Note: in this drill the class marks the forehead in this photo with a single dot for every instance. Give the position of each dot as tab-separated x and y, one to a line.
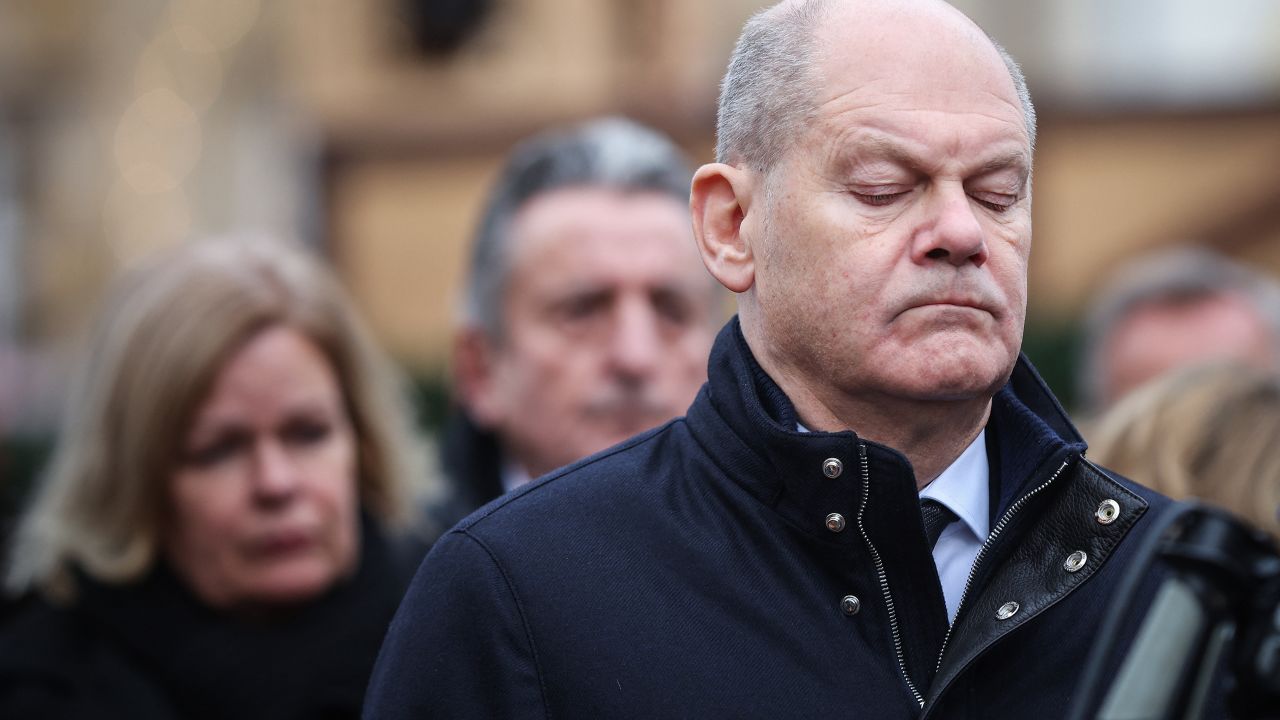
1225	316
1162	334
276	363
601	233
914	72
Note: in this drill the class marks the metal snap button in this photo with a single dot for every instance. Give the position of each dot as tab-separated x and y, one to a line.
835	522
1075	561
832	467
1107	512
850	605
1007	610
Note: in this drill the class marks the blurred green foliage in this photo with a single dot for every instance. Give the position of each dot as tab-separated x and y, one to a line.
22	457
1054	349
430	400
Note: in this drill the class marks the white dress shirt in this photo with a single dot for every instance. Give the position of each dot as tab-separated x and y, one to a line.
963	488
513	476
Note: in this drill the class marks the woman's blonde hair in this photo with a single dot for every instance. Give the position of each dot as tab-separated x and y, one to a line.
1210	432
165	331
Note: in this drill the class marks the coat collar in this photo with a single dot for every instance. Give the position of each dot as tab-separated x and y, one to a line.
748	425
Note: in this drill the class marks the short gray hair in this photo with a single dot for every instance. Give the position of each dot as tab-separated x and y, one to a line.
769	90
612	152
1172	276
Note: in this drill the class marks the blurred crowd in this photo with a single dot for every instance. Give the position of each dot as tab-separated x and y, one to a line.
238	466
239	492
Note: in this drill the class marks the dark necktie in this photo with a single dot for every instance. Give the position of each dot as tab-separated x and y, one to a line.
936	517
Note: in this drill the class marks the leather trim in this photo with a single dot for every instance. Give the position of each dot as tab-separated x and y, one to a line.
1032	572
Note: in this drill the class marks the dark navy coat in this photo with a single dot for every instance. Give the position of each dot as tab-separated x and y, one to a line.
690	573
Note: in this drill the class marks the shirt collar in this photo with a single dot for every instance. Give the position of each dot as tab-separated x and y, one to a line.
964	487
514	475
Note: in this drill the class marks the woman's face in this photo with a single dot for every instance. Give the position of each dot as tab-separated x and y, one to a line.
263	501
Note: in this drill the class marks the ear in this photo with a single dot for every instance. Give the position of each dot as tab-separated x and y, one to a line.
719	200
475	377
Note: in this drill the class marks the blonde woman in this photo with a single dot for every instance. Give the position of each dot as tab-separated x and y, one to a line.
223	528
1210	432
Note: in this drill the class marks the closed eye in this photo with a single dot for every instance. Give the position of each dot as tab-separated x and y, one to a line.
879	199
995	202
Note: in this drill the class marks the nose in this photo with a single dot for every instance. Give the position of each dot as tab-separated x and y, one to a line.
635	344
275	473
952	232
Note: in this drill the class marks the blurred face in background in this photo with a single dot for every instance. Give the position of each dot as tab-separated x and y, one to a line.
607	323
1157	337
263	503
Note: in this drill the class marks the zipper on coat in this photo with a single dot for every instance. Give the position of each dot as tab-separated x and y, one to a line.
884	579
982	552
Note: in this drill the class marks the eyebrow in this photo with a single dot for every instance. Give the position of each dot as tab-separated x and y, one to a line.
882	147
1015	159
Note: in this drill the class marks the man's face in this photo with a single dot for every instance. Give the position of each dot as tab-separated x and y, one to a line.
608	323
1157	337
896	229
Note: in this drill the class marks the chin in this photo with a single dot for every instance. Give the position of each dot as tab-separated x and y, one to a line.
294	586
616	430
957	377
957	390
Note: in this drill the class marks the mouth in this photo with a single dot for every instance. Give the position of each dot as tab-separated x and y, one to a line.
280	543
948	310
949	306
974	303
628	418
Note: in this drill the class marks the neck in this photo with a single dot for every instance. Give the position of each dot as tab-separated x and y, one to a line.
930	433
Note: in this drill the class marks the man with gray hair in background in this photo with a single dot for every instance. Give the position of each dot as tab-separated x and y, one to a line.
1171	309
874	508
587	316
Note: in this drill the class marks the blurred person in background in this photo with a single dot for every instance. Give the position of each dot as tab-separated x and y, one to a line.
588	316
1174	309
222	532
1209	431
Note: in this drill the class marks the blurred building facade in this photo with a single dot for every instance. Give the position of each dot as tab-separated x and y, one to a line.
373	129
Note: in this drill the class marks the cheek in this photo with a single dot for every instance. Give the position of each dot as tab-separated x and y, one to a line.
204	522
1013	282
332	477
695	349
684	362
207	503
543	372
345	481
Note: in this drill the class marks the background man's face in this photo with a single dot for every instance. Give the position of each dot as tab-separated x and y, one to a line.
608	318
897	227
1158	337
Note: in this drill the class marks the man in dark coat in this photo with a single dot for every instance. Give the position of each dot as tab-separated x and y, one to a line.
588	317
874	508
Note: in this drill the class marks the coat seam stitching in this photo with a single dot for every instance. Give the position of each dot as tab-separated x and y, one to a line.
524	620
